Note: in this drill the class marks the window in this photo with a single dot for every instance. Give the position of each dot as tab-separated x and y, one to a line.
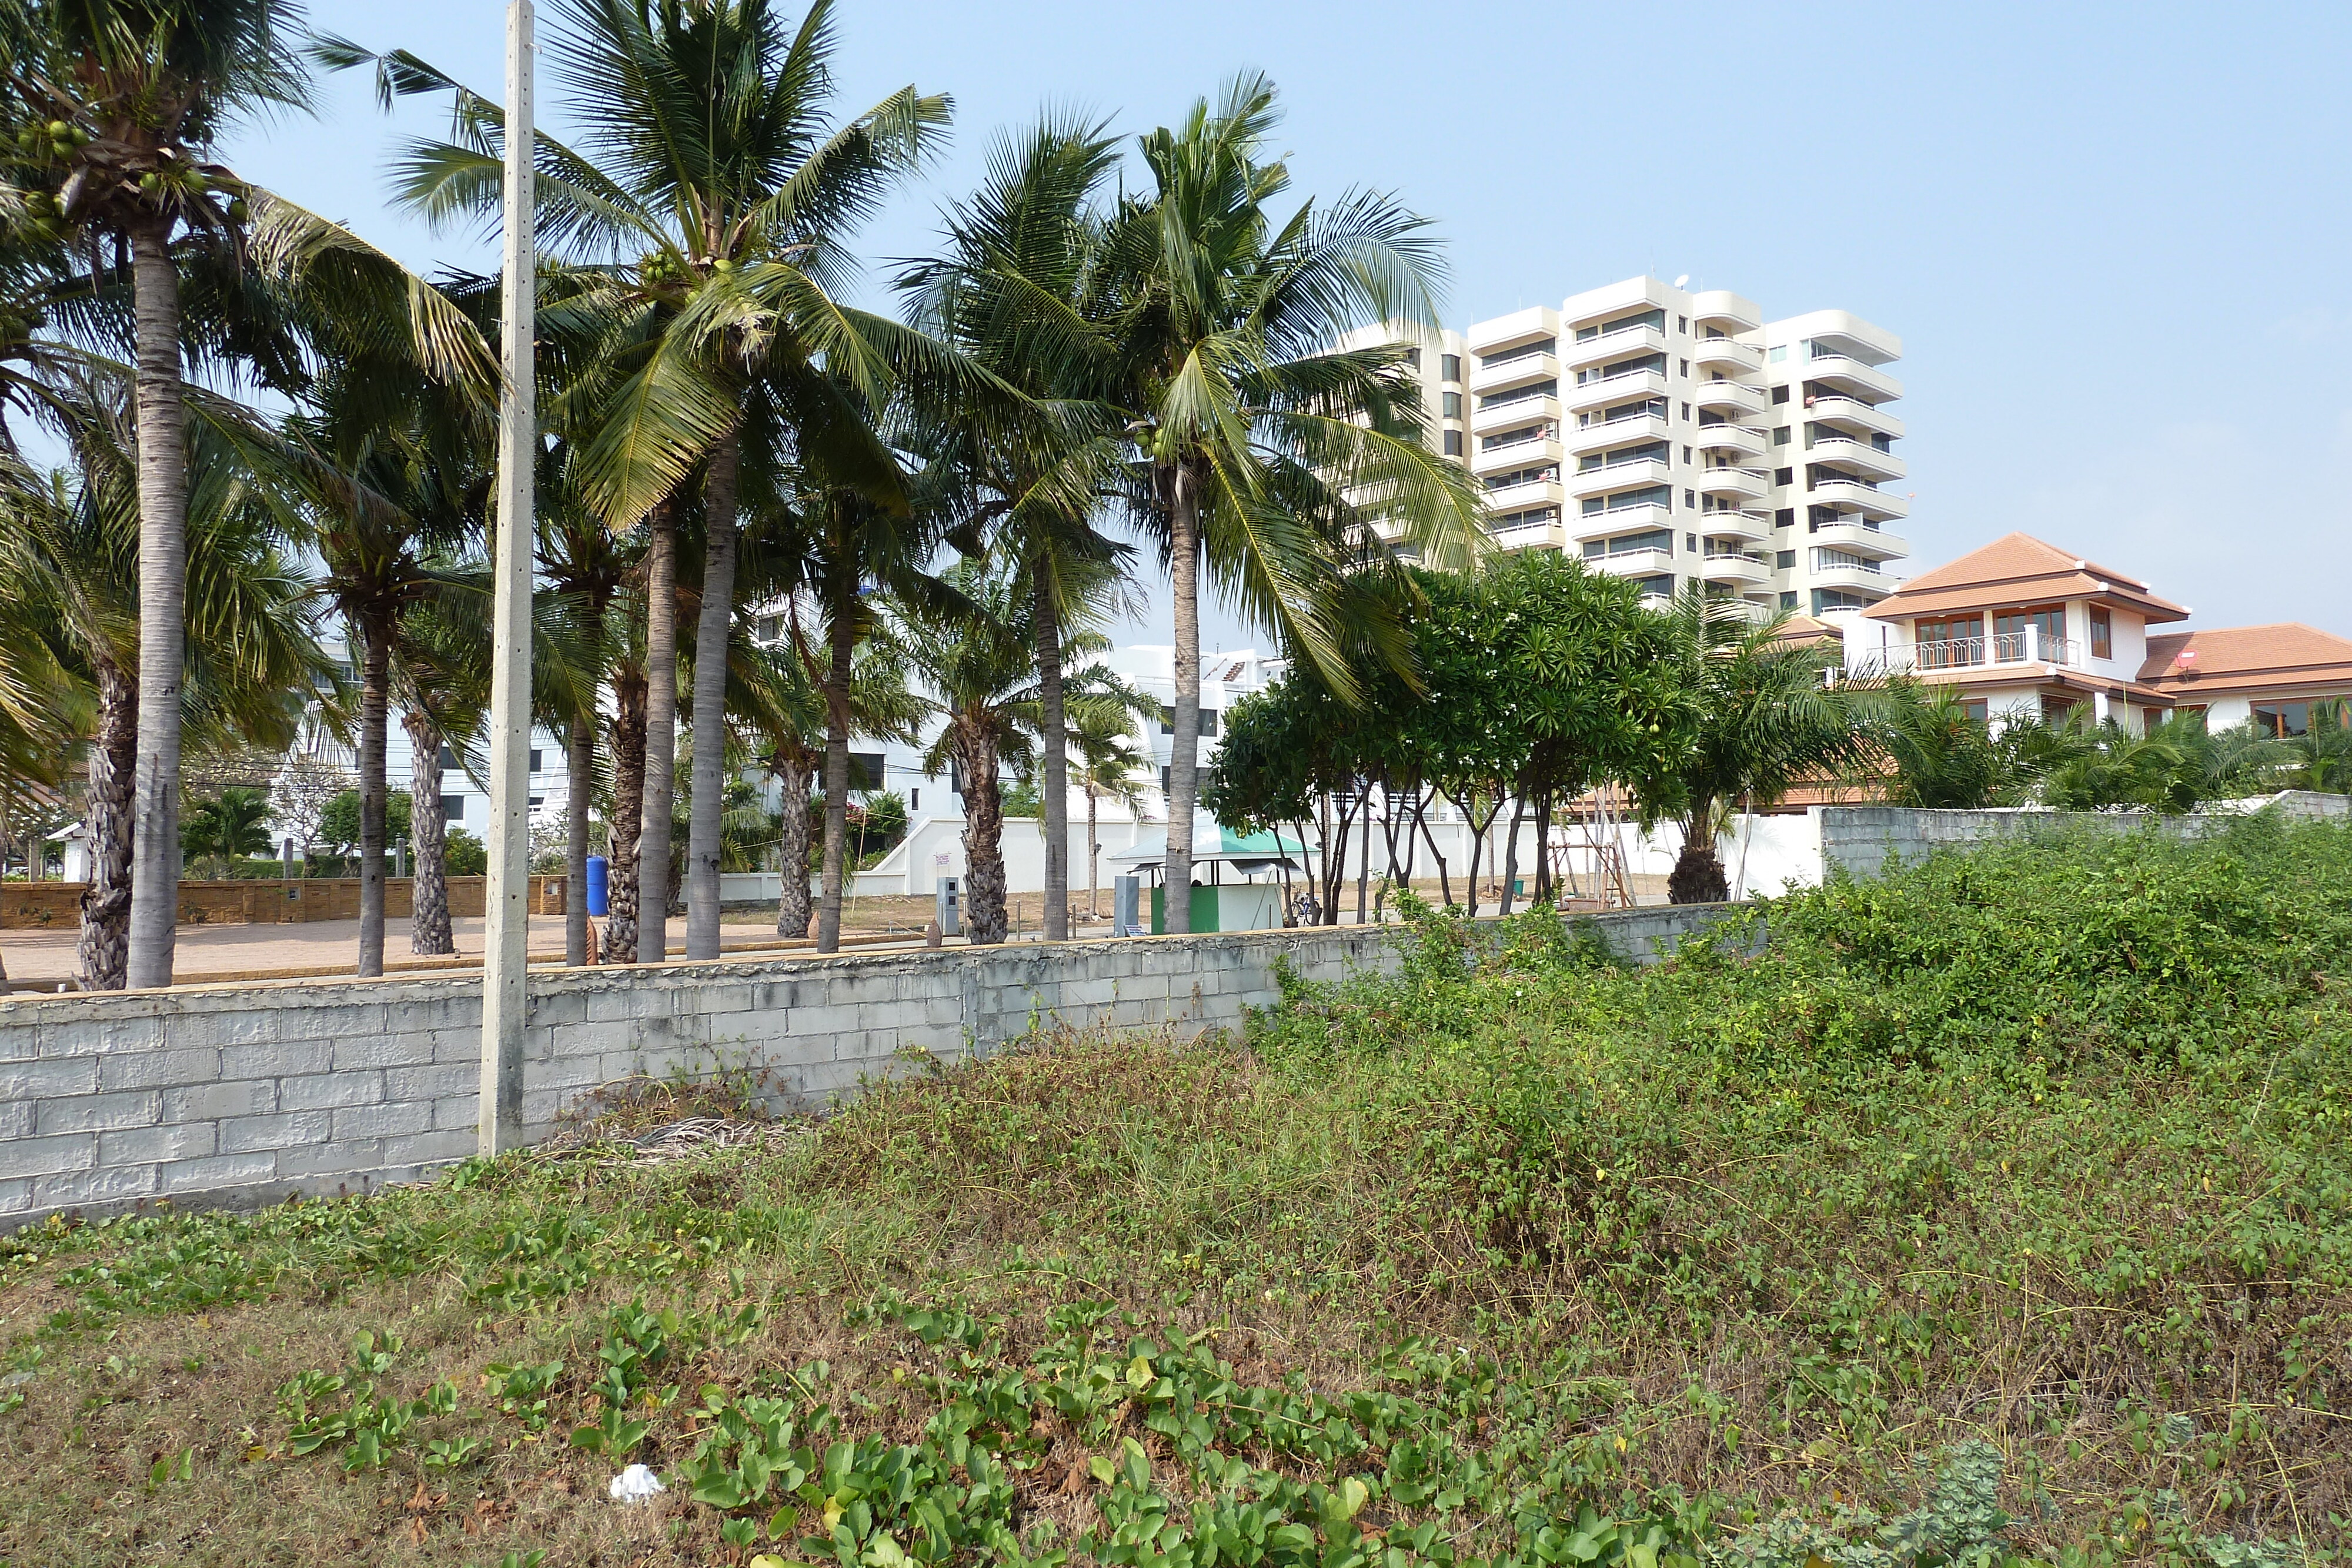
1208	721
1780	435
1523	351
448	760
915	799
1788	598
1690	499
1977	709
1412	358
1454	444
1167	719
1785	517
1452	366
1947	629
2282	721
1780	394
1778	355
1784	475
1662	586
1687	454
2102	633
1686	413
537	802
535	755
1661	539
1784	560
866	770
1523	394
453	808
1681	323
1651	318
1828	598
1450	404
2057	710
2010	626
1685	364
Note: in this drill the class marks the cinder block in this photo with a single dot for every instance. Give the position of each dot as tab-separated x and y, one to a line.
212	1102
218	1173
17	1118
164	1069
458	1113
45	1156
49	1079
594	1039
93	1113
428	1148
105	1185
391	1120
273	1058
157	1145
453	1045
17	1196
252	1025
119	1033
359	1156
383	1051
325	1091
285	1129
406	1083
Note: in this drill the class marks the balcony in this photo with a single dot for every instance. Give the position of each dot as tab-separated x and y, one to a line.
1744	569
1524	452
1728	354
1633	476
1621	344
1602	436
1749	528
1721	308
1516	409
1843	372
1859	537
1743	483
1868	579
1736	397
1632	563
1744	439
1609	390
1540	535
1623	521
1876	504
2031	646
1857	454
1520	497
1505	371
1828	408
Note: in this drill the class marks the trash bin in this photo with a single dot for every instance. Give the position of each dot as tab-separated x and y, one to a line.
600	886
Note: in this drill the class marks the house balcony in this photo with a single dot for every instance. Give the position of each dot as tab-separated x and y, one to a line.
1520	497
1517	408
1605	436
2022	649
1629	386
1853	493
1745	439
1863	576
1623	344
1843	372
1527	452
1514	370
1741	484
1541	534
1860	455
1649	514
1740	568
1746	527
1646	562
1722	308
1633	476
1728	354
1853	413
1728	397
1859	537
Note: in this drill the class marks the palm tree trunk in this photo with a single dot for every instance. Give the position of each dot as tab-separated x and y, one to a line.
105	947
376	664
1184	751
580	777
628	822
162	586
1054	740
983	839
842	635
1697	876
708	790
661	735
428	841
793	910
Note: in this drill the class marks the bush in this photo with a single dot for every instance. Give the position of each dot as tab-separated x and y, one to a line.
465	855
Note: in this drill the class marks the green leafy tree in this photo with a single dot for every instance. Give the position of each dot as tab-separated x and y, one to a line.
232	825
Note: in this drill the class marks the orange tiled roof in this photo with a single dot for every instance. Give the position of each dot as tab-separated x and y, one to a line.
2016	568
2286	656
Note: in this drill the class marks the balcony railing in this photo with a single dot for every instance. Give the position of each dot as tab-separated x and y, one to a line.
2030	646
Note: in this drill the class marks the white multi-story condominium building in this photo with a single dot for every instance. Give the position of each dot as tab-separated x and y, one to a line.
1674	436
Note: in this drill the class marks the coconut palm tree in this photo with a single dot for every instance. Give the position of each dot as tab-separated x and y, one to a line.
233	825
705	211
1109	760
1266	451
1016	270
1755	718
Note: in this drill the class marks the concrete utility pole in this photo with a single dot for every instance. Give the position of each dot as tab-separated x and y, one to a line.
505	1005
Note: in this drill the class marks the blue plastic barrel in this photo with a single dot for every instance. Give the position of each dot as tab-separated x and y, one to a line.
600	890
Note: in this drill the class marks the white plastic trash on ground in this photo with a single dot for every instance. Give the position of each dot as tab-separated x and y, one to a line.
636	1484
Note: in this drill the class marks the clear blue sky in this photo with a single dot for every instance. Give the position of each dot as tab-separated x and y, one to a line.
2115	239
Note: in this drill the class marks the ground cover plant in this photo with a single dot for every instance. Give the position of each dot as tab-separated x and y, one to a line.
1997	1210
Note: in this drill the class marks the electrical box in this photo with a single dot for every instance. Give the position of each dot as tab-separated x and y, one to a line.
950	911
1126	906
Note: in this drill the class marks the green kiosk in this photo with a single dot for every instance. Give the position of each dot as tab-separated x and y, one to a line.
1237	877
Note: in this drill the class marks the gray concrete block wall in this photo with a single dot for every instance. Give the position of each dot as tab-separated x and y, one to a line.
248	1094
1856	839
